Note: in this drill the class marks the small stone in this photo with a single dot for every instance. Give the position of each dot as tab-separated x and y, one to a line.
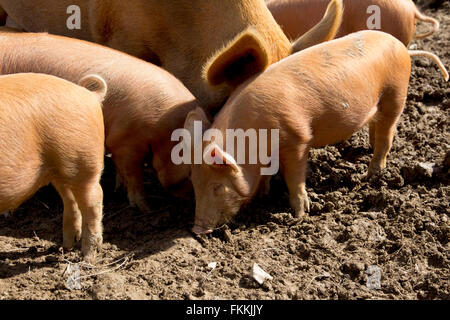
212	265
259	274
425	169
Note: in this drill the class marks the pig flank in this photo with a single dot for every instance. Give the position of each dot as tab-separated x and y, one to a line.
398	17
328	92
51	131
179	35
144	103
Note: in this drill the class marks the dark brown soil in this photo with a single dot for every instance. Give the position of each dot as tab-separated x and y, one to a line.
398	223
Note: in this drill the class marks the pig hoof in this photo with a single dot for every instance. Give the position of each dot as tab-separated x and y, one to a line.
300	214
139	202
371	173
375	168
69	242
91	246
301	206
90	258
70	238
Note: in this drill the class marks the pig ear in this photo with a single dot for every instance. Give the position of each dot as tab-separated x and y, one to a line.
325	30
214	155
197	114
242	58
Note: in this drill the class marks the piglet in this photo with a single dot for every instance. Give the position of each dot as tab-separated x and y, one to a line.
397	17
316	97
51	131
142	108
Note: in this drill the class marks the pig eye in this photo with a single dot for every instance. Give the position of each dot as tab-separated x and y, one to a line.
219	189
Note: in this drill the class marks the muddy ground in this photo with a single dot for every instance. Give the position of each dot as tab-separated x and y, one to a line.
396	226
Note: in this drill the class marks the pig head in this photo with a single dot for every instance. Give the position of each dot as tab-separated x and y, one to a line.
225	41
221	186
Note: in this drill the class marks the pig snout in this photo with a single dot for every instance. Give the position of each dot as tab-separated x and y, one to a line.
198	229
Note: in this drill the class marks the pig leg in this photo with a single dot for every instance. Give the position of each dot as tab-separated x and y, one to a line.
385	128
384	137
71	216
265	187
89	197
295	176
129	163
372	125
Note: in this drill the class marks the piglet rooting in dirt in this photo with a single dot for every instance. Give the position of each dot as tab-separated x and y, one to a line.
327	93
51	131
